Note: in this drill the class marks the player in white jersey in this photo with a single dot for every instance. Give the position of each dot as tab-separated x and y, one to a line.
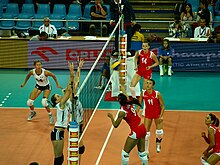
42	84
74	103
57	134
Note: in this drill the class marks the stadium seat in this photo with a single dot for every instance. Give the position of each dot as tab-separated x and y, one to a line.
136	45
59	9
108	17
195	5
4	3
28	2
1	10
37	24
57	24
86	15
43	10
28	9
23	25
216	21
74	13
12	9
7	24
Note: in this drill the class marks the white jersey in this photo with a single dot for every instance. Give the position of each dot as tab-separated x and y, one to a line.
50	30
62	116
78	110
41	79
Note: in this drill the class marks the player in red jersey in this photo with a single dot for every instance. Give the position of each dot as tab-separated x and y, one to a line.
211	155
147	60
138	130
153	110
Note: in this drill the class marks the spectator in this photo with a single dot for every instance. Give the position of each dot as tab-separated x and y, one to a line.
215	36
48	28
41	37
165	53
98	12
117	8
154	38
203	12
187	15
177	28
136	35
217	8
202	31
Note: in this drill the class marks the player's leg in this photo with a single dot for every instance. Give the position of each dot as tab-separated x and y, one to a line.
161	65
147	123
213	159
159	133
45	104
169	66
57	138
129	145
30	102
134	82
141	151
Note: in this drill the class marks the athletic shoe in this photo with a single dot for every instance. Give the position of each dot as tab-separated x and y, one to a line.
158	147
169	72
51	119
161	73
32	114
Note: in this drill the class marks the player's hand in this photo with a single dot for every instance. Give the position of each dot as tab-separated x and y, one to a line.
81	62
148	67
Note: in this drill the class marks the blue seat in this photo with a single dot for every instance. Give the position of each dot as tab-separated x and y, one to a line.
43	10
1	10
86	15
57	24
37	24
74	13
216	21
28	9
75	10
23	25
7	24
4	3
108	17
12	9
28	1
195	5
59	9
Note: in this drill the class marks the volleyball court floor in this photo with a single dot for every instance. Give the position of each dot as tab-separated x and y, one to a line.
188	96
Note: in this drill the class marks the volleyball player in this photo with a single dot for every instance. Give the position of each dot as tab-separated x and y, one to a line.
138	130
147	60
153	110
42	85
74	103
57	134
211	155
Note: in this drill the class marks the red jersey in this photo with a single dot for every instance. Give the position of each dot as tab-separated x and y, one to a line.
152	107
145	60
216	148
138	129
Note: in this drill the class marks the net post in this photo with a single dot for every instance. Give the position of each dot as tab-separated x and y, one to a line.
73	145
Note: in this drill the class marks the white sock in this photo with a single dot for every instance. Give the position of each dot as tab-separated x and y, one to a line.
147	142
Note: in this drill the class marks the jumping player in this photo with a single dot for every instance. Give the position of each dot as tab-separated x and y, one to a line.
138	130
153	110
42	84
147	60
211	155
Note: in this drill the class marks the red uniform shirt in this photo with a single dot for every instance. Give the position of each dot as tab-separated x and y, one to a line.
216	148
138	129
152	105
145	60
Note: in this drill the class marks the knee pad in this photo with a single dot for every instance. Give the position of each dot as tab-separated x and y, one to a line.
159	133
125	157
143	156
44	102
30	102
81	149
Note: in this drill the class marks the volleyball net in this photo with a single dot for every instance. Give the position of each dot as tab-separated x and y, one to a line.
89	96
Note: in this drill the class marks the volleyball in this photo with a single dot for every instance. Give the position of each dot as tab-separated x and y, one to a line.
115	65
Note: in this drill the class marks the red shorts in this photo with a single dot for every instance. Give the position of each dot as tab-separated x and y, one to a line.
146	75
152	114
138	132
